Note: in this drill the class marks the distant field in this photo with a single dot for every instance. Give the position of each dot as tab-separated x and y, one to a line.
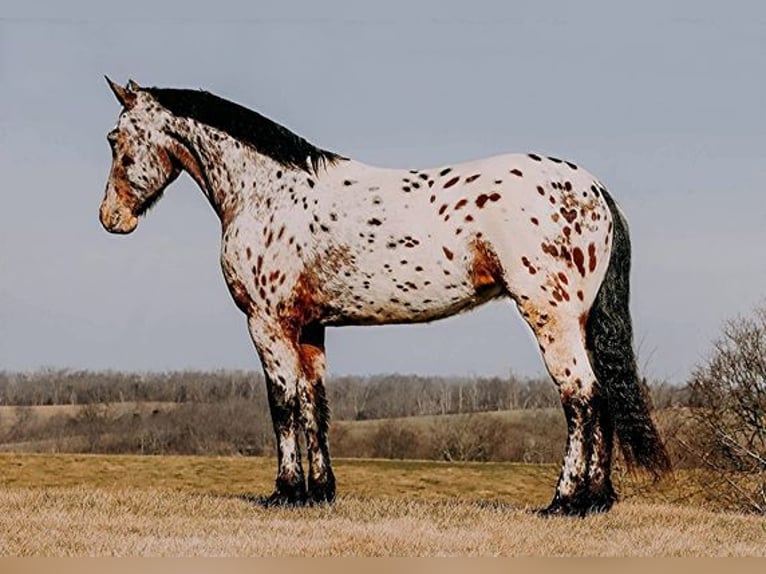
10	414
85	505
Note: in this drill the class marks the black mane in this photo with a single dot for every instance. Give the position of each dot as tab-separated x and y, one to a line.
247	126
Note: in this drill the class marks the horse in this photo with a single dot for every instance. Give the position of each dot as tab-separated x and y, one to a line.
313	239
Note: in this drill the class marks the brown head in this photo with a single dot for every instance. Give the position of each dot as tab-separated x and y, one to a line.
142	165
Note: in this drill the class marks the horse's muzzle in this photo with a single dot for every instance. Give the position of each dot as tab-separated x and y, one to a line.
117	220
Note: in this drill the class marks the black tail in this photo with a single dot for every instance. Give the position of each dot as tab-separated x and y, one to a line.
609	339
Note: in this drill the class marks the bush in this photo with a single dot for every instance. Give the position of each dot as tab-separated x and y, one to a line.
729	396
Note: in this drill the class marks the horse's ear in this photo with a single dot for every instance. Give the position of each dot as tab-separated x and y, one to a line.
133	86
125	96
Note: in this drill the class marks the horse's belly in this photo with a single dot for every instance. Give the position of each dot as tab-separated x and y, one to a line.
408	307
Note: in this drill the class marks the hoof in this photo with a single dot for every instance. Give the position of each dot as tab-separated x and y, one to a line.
320	493
287	494
276	499
581	506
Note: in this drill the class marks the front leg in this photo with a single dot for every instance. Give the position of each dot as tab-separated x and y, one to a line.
315	413
279	359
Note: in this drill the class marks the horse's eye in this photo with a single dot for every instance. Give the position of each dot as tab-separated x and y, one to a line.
127	161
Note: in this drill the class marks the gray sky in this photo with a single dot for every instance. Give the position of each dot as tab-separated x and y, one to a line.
663	101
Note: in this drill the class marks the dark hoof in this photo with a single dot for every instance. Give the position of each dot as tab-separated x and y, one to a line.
322	492
277	499
287	494
581	506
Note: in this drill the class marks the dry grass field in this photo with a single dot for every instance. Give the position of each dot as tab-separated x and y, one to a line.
82	505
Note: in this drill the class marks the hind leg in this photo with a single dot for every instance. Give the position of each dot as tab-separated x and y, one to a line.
584	485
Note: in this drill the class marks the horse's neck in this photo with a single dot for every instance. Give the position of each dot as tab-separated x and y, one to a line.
219	164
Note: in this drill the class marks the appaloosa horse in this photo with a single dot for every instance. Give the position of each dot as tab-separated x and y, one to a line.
312	239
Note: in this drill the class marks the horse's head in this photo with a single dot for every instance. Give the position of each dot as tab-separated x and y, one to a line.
142	166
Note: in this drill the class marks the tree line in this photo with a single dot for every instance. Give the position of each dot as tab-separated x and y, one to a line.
350	397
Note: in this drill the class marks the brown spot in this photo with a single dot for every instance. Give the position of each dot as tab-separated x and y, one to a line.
552	200
550	249
579	259
567	230
563	278
468	218
518	172
448	253
555	218
535	221
374	221
311	355
442	209
494	196
569	214
578	227
592	257
432	198
486	272
303	307
269	238
580	295
461	204
471	178
481	200
568	185
445	171
240	295
248	253
535	157
281	233
540	190
452	182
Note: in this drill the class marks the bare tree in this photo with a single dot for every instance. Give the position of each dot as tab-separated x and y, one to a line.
729	393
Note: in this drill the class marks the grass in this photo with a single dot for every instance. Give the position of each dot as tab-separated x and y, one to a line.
87	505
521	484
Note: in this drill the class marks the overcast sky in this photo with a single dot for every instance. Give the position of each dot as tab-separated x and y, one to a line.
663	101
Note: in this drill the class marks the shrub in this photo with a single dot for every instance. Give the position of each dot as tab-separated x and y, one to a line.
729	398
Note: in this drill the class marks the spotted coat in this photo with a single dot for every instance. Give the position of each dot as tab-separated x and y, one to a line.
312	239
